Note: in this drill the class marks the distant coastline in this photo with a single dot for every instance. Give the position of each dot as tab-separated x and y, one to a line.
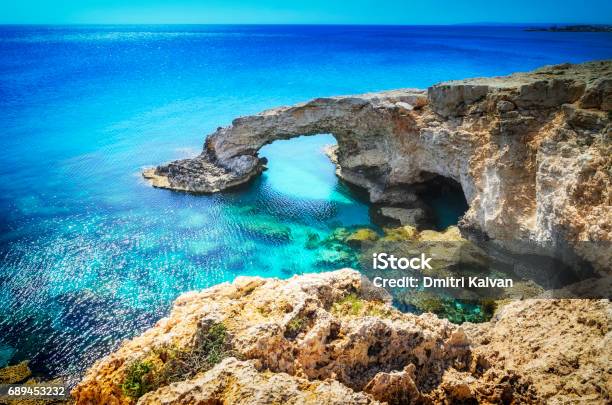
573	28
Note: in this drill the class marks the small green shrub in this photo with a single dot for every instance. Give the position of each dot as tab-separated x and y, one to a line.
178	364
209	348
354	305
214	343
350	304
139	379
294	327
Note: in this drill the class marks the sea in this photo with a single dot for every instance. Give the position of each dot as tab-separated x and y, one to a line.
91	255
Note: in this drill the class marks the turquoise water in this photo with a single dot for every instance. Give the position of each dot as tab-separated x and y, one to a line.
90	254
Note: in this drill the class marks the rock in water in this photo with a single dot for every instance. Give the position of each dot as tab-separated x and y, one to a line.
361	236
15	374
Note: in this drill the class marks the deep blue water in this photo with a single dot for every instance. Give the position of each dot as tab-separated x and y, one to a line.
90	254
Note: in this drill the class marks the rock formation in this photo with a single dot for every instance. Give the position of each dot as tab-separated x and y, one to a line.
531	151
333	338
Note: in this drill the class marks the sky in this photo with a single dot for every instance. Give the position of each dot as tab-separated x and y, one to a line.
303	12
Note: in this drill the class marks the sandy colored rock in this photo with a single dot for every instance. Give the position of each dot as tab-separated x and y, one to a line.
450	234
564	346
401	233
292	327
396	387
323	337
238	382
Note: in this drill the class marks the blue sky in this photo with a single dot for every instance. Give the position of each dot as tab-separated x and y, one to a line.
304	12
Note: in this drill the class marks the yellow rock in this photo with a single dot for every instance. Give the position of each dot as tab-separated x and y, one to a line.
15	374
350	327
450	234
362	235
401	233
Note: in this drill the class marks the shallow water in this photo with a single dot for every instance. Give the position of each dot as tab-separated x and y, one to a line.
91	255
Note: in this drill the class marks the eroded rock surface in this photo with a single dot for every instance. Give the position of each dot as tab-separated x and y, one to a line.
531	151
564	346
334	338
239	382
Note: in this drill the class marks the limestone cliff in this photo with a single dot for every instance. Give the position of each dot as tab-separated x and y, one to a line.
333	338
531	151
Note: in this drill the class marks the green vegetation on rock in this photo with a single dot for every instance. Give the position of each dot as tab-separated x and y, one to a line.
213	343
295	326
353	305
170	364
139	379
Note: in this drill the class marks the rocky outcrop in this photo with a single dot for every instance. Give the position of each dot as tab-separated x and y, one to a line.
334	338
531	151
563	345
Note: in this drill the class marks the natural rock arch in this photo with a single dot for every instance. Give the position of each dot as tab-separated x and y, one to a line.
373	132
519	146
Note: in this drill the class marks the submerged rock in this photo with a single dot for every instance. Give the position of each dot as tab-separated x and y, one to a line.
456	311
339	248
334	257
268	229
312	241
337	236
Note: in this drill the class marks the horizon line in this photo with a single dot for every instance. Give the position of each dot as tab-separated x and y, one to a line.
492	23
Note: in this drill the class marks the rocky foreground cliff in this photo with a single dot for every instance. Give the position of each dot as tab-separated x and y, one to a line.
531	151
333	338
